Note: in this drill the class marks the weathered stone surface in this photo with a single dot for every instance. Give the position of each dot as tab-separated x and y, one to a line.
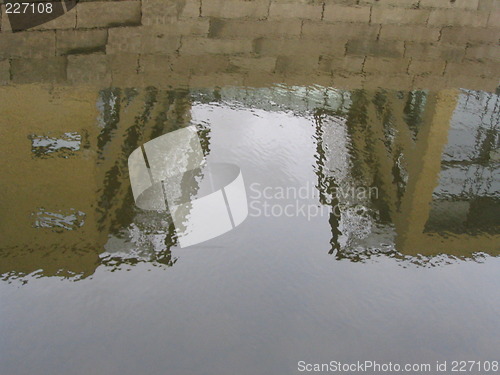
297	64
342	13
339	64
489	5
299	47
410	33
484	52
265	64
453	17
45	70
339	30
190	9
222	28
484	70
462	35
235	9
201	65
148	39
159	12
457	4
125	70
433	51
89	69
433	67
155	68
385	65
200	46
81	41
363	47
188	27
494	19
399	16
27	44
4	72
388	3
295	10
108	14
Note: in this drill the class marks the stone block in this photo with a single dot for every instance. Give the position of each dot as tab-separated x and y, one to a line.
296	64
457	4
188	27
43	70
456	17
190	9
385	65
341	13
235	8
89	69
389	3
299	47
462	35
484	70
410	33
339	30
399	16
264	63
4	72
201	46
421	67
159	12
489	5
27	44
433	51
483	52
295	10
108	14
125	71
146	39
81	41
363	47
200	65
336	64
222	28
494	19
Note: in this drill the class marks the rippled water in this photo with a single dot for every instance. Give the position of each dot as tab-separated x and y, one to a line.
372	234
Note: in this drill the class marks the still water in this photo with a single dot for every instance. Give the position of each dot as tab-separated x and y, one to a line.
372	233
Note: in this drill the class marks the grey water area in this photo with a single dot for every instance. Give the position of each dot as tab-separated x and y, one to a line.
372	235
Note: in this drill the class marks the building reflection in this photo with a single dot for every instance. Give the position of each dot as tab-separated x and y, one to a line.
67	206
433	158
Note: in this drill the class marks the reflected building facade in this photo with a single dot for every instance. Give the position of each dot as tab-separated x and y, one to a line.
431	158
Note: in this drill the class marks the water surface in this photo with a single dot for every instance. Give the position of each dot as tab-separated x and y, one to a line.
373	232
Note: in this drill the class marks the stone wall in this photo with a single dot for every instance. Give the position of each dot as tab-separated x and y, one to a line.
394	44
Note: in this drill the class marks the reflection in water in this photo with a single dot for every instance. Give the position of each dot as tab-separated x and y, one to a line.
382	232
431	157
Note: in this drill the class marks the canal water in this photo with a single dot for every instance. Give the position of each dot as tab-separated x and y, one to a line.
371	233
